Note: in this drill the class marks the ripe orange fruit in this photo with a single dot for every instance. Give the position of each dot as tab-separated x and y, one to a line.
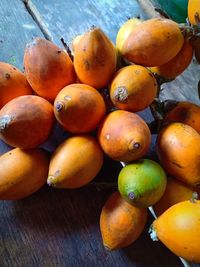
48	68
185	112
124	136
133	88
193	9
176	191
75	162
153	42
178	150
26	121
177	64
120	222
178	228
79	108
13	83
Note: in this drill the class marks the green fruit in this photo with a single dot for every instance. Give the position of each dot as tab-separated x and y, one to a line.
142	183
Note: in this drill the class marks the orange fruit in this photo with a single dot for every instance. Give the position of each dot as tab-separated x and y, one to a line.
185	112
13	83
133	88
48	68
75	162
176	191
193	8
178	151
79	108
120	222
153	42
177	64
124	136
178	229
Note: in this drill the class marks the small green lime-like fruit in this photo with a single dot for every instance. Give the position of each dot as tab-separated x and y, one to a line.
142	183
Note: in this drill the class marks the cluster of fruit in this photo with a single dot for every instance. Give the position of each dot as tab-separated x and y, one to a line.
58	86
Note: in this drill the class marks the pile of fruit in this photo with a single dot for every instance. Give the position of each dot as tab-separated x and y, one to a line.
94	93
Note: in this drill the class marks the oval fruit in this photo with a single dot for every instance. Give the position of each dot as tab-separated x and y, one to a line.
153	42
120	222
125	30
193	9
124	136
176	191
178	229
178	151
75	162
13	83
48	68
142	182
26	121
79	108
185	112
95	58
22	172
133	88
176	65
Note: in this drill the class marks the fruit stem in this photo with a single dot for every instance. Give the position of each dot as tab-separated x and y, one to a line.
68	50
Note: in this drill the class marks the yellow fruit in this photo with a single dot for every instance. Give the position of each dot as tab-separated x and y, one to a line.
75	162
125	30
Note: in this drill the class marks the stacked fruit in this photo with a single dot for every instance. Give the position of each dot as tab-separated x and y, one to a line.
95	94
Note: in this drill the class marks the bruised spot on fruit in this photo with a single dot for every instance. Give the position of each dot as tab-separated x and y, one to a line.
59	106
87	64
59	51
137	71
57	173
4	122
121	94
7	75
184	114
176	164
67	97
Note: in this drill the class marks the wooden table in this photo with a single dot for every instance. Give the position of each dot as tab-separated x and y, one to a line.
61	227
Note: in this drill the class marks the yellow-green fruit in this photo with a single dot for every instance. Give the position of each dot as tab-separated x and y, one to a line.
142	183
125	30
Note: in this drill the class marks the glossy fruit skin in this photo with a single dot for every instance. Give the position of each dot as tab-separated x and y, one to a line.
26	121
75	162
176	65
124	136
153	43
95	58
120	222
193	8
22	172
178	151
13	83
175	192
142	183
178	228
79	108
133	88
185	112
48	68
124	32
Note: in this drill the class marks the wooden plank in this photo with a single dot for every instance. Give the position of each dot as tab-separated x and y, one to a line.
16	29
70	18
61	228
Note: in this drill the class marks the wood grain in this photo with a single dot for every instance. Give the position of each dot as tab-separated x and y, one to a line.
16	29
61	227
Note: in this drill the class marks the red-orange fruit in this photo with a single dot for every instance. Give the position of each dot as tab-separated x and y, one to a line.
26	121
48	68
